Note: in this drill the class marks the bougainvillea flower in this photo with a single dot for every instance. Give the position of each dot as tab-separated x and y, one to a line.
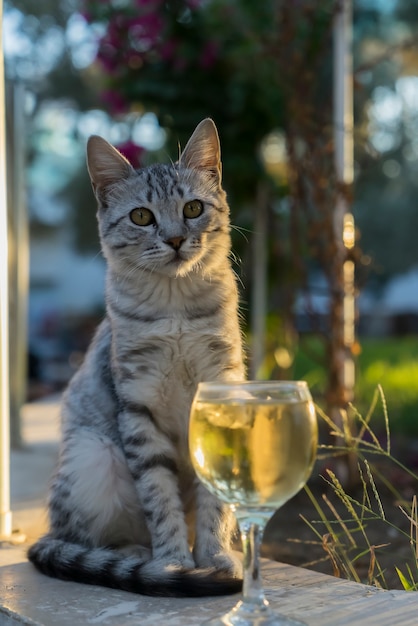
132	152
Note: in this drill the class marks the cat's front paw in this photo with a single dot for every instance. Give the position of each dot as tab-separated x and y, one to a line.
183	561
138	551
222	561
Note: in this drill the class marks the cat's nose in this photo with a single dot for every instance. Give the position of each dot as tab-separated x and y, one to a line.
174	242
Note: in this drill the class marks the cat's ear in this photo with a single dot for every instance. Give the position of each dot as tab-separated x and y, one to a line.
203	150
105	164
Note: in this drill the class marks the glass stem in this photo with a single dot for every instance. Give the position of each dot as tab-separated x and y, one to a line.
251	536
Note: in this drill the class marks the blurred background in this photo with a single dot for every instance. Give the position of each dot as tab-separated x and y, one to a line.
143	73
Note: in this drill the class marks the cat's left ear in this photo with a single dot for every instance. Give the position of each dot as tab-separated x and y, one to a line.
106	165
203	151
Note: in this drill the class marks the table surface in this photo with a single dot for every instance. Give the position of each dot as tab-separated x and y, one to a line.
28	597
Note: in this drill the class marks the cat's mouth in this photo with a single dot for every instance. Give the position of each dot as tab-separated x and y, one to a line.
180	263
177	263
177	258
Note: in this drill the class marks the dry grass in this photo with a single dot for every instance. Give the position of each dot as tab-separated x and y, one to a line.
342	527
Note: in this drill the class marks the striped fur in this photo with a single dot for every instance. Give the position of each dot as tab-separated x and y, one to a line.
125	506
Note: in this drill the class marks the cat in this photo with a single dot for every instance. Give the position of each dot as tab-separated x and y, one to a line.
122	500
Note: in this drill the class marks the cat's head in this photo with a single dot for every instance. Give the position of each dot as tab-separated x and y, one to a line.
170	219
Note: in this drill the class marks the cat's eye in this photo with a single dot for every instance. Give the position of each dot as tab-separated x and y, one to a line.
192	209
142	216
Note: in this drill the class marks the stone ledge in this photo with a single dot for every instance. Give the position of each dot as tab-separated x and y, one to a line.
27	597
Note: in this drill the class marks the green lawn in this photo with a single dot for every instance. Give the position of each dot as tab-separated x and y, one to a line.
390	362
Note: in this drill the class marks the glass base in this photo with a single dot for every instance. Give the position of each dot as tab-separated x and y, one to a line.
245	614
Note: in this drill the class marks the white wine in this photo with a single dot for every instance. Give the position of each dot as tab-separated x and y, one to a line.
253	444
253	453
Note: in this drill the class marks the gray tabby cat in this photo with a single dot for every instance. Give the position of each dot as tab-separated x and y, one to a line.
125	503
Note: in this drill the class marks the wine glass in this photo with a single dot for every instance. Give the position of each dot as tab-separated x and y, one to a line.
253	445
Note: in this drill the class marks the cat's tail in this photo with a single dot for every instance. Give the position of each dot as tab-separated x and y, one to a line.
108	568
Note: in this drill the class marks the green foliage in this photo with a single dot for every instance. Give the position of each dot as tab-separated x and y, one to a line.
390	362
186	60
408	583
235	61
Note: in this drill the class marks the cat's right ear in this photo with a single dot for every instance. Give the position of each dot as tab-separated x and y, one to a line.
202	151
105	164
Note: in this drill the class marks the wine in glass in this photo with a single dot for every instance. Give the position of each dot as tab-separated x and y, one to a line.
253	445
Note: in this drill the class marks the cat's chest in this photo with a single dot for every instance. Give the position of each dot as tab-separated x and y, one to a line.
179	359
174	348
162	366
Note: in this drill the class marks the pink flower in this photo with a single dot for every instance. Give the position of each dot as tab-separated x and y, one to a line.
209	55
132	152
145	30
115	102
107	56
116	30
168	49
149	4
87	15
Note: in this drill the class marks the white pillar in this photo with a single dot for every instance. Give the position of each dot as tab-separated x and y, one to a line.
5	513
18	255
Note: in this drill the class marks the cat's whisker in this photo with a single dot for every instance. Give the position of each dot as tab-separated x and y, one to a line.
174	163
132	269
242	231
238	279
235	258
